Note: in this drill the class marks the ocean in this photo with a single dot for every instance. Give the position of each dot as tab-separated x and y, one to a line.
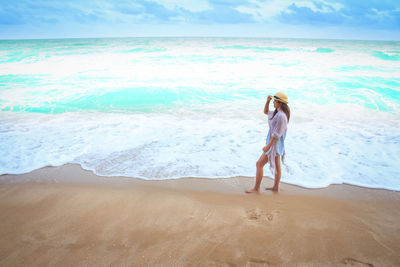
163	108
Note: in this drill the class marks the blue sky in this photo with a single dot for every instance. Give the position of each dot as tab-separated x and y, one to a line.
328	19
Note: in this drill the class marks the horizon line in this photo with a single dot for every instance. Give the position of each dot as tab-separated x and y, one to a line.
188	37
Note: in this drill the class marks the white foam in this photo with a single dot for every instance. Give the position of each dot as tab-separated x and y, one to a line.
328	145
222	134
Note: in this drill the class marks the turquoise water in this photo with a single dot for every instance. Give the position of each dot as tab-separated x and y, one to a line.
356	66
199	102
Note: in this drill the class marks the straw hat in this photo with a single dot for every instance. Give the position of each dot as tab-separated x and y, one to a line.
281	97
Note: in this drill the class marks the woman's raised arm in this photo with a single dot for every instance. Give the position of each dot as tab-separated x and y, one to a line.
266	108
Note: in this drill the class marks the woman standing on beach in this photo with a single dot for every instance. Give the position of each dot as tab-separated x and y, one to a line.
275	147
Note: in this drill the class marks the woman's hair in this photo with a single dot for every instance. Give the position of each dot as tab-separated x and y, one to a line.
285	108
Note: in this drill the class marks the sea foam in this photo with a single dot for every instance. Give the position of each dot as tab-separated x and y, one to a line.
179	107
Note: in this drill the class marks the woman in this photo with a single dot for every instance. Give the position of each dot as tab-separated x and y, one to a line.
275	147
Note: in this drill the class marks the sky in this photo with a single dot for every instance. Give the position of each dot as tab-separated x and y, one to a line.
322	19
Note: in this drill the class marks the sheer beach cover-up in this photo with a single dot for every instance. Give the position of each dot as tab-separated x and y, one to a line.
277	128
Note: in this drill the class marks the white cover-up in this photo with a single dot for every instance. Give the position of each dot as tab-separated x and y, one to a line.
277	129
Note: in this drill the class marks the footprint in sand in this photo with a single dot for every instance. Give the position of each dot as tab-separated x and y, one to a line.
261	215
253	214
257	262
354	262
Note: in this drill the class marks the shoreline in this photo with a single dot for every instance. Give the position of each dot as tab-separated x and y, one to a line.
74	173
66	216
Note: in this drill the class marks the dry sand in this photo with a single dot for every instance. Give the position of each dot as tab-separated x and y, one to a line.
72	217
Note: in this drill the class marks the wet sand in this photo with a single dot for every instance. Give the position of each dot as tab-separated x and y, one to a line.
65	216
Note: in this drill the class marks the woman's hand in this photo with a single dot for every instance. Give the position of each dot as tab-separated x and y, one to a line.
265	149
269	98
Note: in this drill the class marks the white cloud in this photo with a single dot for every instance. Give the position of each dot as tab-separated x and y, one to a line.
193	6
264	11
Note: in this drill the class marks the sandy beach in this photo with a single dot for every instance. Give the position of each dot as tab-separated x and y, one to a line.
66	216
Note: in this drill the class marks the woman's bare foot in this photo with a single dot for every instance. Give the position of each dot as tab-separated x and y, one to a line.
250	191
274	189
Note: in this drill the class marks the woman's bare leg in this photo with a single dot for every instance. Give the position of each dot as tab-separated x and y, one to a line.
259	174
278	173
